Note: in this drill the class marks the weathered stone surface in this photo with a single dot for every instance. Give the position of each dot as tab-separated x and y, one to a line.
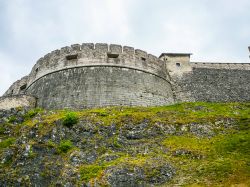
94	75
139	176
215	85
100	86
15	101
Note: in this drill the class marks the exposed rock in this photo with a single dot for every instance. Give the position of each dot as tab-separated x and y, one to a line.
151	173
201	130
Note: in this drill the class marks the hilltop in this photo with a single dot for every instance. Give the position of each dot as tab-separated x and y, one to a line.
188	144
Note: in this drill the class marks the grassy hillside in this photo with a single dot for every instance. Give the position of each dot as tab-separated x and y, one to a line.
189	144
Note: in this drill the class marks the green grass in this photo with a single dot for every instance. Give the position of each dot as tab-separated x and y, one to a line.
32	113
184	113
179	113
7	142
236	143
2	130
191	143
89	172
225	157
12	119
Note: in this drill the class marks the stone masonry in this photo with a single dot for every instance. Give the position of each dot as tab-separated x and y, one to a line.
97	75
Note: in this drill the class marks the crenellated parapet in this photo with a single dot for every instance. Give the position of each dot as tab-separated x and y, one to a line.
99	54
221	65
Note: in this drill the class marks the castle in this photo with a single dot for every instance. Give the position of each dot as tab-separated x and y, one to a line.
97	75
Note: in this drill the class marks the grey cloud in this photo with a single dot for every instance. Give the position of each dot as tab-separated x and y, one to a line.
212	30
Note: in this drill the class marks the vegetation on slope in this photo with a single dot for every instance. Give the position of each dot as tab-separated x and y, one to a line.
189	144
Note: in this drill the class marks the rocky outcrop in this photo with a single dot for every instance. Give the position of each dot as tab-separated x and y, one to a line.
123	146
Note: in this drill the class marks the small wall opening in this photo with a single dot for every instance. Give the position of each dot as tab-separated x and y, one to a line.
36	70
143	59
71	57
178	65
112	55
23	87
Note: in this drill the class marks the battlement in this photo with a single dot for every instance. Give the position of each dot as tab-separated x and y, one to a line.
221	65
99	54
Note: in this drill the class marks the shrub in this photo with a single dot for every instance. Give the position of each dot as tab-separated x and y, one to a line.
2	130
65	146
70	119
12	119
32	113
7	143
51	144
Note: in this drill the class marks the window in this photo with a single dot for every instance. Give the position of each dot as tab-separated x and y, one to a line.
112	55
178	64
143	59
23	87
71	57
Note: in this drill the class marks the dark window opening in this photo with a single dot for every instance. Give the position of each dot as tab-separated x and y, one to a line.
23	87
12	91
112	55
71	57
178	64
36	70
142	58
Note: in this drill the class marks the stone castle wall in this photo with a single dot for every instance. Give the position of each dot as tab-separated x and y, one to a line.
86	87
216	82
96	75
89	75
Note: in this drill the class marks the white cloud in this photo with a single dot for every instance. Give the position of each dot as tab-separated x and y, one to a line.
212	30
10	72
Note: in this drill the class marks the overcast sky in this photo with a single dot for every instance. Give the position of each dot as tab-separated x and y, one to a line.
213	30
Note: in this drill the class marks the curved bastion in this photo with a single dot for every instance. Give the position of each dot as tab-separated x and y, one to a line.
94	75
97	75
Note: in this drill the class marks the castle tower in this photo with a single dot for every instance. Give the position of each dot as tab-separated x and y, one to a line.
97	75
177	63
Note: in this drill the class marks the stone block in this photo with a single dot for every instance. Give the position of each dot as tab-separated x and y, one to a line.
116	49
87	46
128	50
101	47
